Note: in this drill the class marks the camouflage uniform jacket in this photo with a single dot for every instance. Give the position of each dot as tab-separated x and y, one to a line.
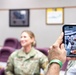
20	63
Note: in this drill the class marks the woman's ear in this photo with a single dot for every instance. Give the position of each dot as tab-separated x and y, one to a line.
32	39
33	42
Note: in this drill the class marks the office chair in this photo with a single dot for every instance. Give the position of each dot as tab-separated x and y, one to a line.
5	53
43	50
12	42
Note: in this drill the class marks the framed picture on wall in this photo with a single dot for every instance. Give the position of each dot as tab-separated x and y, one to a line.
54	16
19	17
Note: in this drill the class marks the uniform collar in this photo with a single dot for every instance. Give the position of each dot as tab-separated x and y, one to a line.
32	52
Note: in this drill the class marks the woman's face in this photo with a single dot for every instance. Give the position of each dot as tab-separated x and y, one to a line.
25	39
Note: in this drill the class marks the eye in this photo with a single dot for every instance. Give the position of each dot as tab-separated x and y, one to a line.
21	37
24	36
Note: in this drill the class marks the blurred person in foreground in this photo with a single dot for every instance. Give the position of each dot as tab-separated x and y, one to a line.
56	56
71	66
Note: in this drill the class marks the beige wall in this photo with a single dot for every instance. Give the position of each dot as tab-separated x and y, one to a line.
45	34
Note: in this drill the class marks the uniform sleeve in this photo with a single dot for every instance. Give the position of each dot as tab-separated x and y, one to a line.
9	67
43	61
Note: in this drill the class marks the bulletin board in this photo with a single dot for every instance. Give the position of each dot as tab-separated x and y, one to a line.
54	15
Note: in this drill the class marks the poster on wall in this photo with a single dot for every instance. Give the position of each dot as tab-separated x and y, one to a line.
54	16
19	17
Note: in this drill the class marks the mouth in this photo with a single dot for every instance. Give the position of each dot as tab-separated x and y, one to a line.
23	42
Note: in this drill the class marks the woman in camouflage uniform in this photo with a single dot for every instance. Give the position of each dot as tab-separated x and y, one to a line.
27	60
